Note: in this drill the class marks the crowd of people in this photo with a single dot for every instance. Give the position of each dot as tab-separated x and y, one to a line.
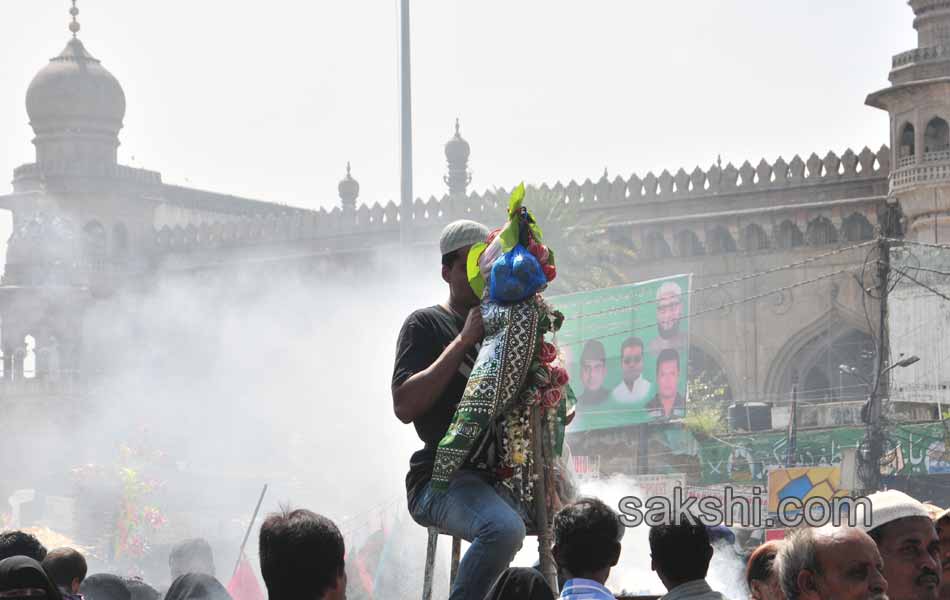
301	556
901	555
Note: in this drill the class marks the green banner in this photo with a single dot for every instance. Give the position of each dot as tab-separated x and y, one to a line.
626	350
912	449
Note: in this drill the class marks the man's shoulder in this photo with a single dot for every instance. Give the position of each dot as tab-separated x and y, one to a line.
430	317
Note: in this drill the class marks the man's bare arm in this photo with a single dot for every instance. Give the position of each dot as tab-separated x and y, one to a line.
416	395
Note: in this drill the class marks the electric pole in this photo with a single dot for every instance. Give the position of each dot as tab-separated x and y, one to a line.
874	438
405	119
791	446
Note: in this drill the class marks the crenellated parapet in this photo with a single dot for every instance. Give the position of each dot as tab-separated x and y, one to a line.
379	224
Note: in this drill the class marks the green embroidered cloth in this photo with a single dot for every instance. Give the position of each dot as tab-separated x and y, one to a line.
495	384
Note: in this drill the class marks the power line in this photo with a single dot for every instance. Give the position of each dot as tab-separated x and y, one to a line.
725	305
722	284
921	284
916	243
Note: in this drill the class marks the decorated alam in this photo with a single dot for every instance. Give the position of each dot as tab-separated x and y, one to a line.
767	331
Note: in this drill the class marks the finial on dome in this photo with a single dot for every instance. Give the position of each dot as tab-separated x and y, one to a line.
456	126
349	189
74	26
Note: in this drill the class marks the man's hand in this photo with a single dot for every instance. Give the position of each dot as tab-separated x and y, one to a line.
418	394
474	329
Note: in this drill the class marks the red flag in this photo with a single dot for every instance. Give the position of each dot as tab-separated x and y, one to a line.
243	585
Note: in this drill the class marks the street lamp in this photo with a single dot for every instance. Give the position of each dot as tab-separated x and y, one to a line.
874	439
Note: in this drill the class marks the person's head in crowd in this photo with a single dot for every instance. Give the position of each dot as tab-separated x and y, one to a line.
667	374
761	575
680	552
907	539
520	583
631	359
301	556
23	578
197	586
21	543
587	536
593	365
830	563
141	590
191	556
669	309
456	240
104	586
941	520
66	568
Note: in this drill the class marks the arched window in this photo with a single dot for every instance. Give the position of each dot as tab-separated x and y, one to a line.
825	362
754	238
120	240
654	246
29	357
789	236
936	136
94	240
856	228
907	141
821	232
720	241
688	244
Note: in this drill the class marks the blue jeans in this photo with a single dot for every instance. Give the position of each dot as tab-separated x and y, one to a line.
472	510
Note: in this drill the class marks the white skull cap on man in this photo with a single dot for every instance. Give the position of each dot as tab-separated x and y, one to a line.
888	506
461	233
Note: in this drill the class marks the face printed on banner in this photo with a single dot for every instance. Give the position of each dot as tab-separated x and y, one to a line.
593	365
668	375
593	373
632	363
669	310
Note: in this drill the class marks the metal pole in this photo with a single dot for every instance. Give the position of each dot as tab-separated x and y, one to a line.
250	526
875	434
542	466
791	446
405	114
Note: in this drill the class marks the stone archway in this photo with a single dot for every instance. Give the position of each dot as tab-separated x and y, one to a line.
708	380
815	354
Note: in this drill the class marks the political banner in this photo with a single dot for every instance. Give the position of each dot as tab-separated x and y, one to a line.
911	449
627	350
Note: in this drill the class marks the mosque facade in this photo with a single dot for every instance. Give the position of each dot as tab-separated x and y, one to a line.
86	227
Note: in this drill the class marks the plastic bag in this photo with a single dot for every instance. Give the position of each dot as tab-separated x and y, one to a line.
487	260
516	276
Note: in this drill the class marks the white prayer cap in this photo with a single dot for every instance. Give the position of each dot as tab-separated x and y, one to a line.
888	506
461	233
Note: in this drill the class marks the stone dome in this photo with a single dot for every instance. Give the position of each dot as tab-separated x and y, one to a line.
74	92
348	188
457	149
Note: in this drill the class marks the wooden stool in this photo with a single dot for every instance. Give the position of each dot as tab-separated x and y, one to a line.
431	547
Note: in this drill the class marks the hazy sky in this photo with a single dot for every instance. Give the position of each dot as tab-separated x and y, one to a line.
270	100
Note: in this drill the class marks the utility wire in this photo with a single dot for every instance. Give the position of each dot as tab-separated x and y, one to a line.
916	243
722	284
725	305
923	285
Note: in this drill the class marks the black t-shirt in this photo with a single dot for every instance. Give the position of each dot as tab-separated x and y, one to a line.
423	338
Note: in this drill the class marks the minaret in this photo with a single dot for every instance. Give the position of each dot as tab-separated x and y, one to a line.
76	109
349	190
918	102
457	152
